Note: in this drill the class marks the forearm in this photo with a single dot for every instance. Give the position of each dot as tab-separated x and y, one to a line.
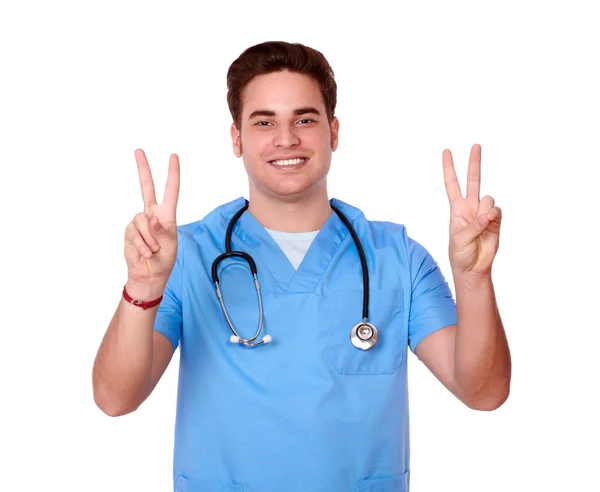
482	367
122	369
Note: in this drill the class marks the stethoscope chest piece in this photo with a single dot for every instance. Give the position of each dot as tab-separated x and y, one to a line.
364	335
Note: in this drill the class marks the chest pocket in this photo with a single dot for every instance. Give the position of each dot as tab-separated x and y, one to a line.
386	312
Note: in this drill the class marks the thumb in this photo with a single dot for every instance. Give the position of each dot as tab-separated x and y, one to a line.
156	227
475	228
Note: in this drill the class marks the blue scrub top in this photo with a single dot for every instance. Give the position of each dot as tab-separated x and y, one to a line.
308	411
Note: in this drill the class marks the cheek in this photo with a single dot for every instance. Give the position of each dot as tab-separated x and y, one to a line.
254	145
325	140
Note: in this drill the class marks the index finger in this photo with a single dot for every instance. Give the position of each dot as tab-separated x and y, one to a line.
450	179
146	181
172	189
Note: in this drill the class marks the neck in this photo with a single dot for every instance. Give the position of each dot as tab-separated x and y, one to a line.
305	214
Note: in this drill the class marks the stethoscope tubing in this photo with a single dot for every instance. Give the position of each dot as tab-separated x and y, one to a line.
363	262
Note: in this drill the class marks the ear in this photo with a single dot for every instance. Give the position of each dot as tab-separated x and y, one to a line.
335	128
236	140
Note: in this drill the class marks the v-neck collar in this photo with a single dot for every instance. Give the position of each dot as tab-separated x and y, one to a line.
315	263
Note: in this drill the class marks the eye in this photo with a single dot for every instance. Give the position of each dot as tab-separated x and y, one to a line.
260	123
308	119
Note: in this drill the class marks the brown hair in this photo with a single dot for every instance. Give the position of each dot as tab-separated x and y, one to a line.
276	56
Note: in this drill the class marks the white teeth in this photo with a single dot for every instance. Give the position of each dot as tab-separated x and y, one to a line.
288	162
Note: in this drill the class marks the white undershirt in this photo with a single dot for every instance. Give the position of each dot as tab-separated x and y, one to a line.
294	244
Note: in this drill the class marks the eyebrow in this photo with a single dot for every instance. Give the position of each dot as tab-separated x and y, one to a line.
297	112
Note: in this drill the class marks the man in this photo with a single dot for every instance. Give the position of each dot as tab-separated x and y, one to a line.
309	393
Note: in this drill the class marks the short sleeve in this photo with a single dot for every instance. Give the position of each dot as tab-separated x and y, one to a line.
169	316
432	305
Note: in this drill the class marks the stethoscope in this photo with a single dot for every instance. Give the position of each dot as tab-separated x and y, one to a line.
363	335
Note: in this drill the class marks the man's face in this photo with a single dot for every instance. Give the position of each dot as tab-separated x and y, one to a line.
284	117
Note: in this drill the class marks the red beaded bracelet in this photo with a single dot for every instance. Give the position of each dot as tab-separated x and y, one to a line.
143	304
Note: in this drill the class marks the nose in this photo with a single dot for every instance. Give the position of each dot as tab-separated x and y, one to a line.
285	136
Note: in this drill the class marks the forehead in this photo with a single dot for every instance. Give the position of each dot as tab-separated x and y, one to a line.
281	92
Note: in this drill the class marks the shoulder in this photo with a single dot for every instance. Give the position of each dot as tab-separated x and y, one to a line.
208	230
380	233
215	221
388	238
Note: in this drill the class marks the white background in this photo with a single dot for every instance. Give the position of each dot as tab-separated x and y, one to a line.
84	84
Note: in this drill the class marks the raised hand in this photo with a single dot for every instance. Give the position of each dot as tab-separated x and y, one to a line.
151	237
474	223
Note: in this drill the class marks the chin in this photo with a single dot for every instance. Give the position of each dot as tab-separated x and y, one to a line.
295	191
289	194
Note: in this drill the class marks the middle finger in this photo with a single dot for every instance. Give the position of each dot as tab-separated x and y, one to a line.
474	172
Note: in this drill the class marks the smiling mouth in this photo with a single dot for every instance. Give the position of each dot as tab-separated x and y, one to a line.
289	162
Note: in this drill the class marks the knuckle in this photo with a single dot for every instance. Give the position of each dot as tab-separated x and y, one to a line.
140	219
130	231
488	200
137	240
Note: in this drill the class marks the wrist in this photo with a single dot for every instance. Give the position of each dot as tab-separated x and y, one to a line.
144	291
470	280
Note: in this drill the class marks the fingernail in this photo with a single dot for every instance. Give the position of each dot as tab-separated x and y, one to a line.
148	254
155	247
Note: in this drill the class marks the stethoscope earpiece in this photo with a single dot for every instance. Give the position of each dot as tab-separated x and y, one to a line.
236	339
